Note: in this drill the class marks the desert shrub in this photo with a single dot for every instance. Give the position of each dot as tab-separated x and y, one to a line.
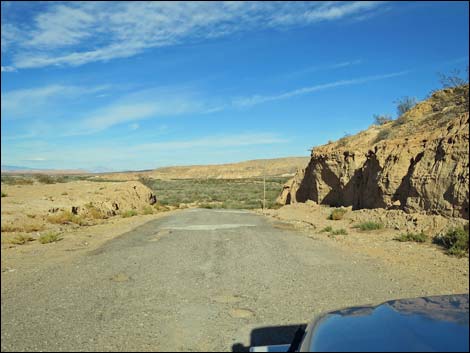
49	237
455	241
16	180
454	79
45	179
273	205
383	135
340	231
326	229
65	193
21	239
129	213
404	104
382	119
416	237
337	214
4	194
369	226
65	217
147	210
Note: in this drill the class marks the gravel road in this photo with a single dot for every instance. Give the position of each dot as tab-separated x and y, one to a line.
198	280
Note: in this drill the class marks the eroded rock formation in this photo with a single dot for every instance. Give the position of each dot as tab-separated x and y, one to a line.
419	162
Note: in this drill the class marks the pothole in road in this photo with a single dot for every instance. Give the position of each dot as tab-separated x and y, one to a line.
239	313
160	234
120	277
227	299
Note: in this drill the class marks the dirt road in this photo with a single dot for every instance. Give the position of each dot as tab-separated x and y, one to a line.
194	280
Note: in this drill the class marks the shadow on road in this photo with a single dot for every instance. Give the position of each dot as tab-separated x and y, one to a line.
272	335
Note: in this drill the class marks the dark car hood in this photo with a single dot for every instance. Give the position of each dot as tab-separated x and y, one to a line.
422	324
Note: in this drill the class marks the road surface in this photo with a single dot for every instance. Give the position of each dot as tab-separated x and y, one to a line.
193	281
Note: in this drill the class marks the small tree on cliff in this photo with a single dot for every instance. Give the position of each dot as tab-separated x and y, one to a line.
382	119
404	104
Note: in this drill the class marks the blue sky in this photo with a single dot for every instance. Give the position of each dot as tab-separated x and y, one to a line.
122	86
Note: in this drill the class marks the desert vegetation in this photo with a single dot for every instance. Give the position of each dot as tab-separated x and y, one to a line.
366	226
49	237
337	214
414	237
216	193
455	241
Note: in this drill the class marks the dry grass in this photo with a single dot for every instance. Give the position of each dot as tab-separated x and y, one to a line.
28	228
65	217
21	239
49	237
129	213
147	210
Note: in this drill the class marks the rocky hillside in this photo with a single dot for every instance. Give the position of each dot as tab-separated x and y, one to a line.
417	163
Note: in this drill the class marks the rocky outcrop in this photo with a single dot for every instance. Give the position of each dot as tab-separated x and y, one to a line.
420	162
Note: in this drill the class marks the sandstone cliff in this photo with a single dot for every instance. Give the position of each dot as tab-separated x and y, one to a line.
417	163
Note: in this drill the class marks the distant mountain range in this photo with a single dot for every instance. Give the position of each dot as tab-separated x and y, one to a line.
25	170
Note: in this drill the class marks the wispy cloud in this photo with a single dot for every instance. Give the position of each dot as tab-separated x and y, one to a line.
8	69
317	68
146	104
218	141
121	156
258	99
73	34
25	103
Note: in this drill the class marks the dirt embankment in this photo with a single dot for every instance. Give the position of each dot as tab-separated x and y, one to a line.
417	163
28	208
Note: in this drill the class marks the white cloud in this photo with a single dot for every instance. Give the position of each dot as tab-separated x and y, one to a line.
8	69
35	159
258	99
83	32
134	126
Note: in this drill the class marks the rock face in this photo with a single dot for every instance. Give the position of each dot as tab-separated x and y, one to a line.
419	162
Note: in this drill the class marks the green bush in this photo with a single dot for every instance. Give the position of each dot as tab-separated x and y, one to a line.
326	229
45	179
337	214
455	241
340	231
369	226
129	213
4	194
416	237
49	237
